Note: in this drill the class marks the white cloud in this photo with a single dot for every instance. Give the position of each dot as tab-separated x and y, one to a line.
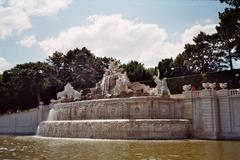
15	14
40	7
123	39
188	35
28	41
4	64
12	21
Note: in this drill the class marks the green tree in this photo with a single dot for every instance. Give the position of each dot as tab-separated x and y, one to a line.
136	71
204	55
180	66
165	67
27	84
57	59
233	3
79	67
229	34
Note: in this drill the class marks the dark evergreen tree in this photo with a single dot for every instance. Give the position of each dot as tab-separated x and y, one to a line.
229	34
136	71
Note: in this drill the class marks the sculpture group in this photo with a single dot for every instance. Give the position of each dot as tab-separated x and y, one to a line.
115	83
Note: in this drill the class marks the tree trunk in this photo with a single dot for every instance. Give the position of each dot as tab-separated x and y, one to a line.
230	59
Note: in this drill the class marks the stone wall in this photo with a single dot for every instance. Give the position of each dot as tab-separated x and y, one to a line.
23	122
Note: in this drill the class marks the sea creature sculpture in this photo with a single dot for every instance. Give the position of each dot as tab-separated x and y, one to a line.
69	93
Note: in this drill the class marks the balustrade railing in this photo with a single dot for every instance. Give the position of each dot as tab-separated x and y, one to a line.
196	94
234	92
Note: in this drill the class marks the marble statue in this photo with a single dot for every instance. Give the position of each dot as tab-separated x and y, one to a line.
161	86
122	84
157	89
68	93
165	92
114	82
104	84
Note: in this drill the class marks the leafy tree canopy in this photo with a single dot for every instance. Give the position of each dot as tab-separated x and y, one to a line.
233	3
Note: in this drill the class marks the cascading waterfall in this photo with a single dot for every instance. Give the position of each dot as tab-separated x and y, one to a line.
119	118
52	115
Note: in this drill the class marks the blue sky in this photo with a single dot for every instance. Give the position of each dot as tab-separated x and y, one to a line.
144	30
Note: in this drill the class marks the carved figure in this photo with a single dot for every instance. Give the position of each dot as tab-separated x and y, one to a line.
187	87
158	81
122	84
105	83
161	87
164	88
114	82
69	93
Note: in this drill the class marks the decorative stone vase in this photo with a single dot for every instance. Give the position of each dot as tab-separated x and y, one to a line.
212	85
186	87
205	85
223	85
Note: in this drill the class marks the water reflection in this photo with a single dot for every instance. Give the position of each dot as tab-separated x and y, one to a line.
33	148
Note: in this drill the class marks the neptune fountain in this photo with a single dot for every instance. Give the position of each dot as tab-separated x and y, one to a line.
117	109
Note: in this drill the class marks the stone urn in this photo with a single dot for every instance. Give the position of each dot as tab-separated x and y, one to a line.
223	85
187	87
212	85
205	85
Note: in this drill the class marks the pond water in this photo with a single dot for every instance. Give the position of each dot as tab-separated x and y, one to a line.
36	148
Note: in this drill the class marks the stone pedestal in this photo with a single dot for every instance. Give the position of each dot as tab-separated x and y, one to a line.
205	115
187	105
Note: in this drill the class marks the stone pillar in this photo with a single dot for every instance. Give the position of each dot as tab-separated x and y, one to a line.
205	115
187	105
225	113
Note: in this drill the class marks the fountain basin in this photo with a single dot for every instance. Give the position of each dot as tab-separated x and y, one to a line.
117	129
145	107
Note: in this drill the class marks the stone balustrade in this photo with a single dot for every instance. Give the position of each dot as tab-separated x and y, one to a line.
215	114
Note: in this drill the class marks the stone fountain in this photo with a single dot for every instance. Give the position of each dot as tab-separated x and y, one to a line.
117	109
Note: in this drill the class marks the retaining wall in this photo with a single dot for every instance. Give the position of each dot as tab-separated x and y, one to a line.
23	123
